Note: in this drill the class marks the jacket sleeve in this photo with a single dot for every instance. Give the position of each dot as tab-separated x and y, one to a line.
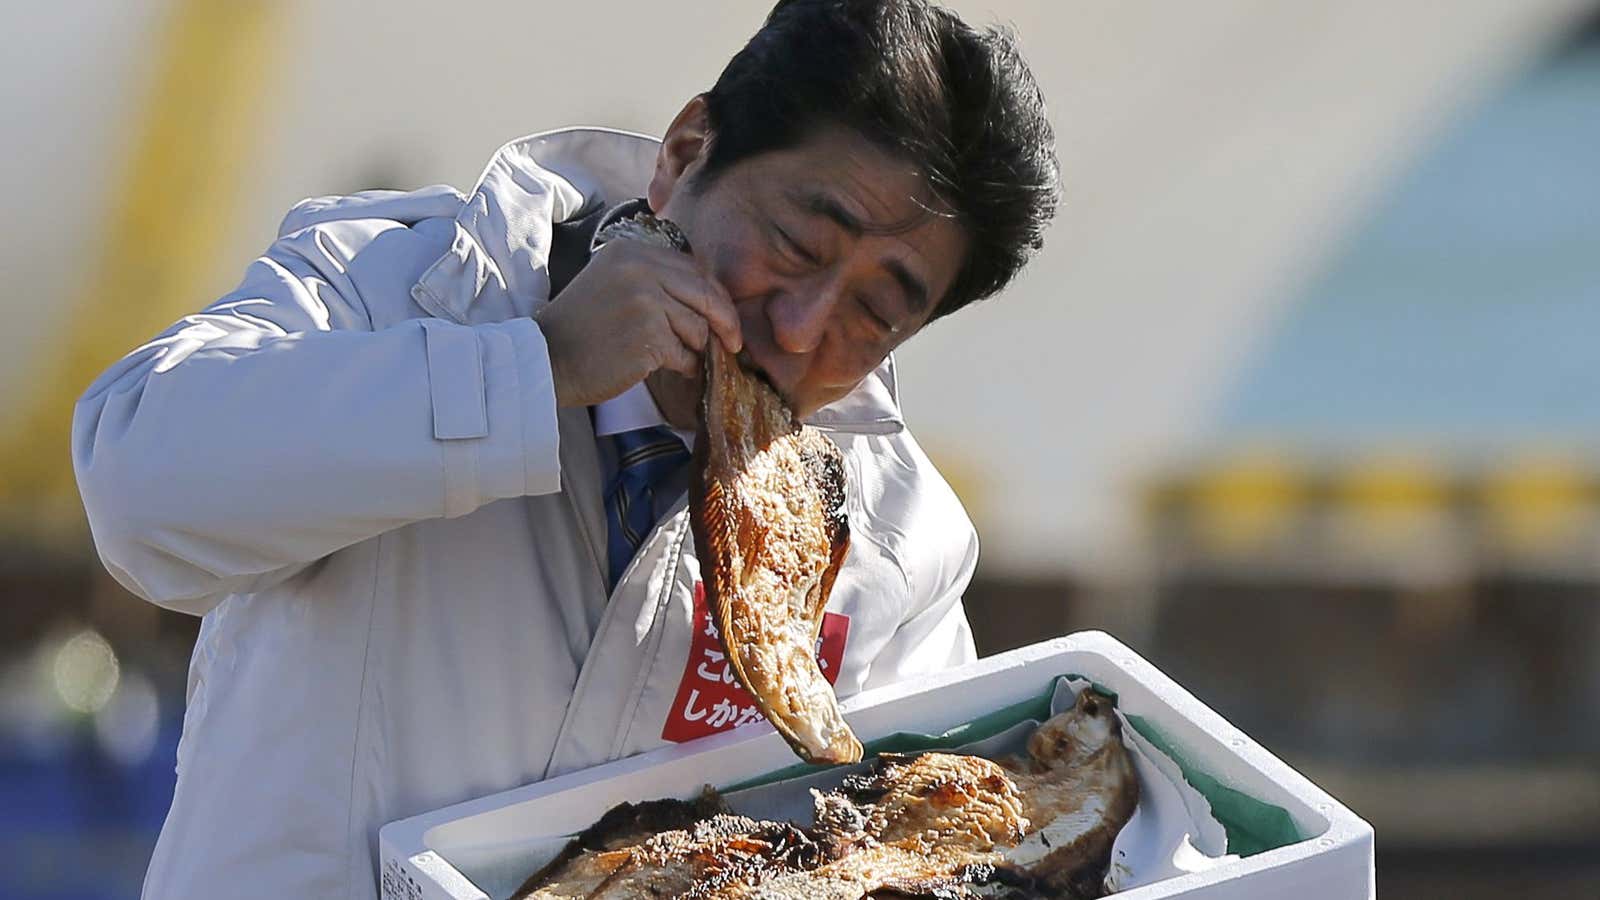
279	425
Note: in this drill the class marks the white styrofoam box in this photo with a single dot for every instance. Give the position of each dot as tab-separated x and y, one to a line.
484	848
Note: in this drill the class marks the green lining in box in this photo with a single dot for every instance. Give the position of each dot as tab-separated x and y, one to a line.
1252	825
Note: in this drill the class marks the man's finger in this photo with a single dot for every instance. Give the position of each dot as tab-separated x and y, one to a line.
706	296
688	325
679	358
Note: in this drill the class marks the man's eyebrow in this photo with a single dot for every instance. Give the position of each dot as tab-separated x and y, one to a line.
818	203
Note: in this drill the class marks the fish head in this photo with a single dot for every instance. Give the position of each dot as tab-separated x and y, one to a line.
1079	733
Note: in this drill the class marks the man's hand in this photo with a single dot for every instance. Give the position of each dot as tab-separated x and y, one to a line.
634	308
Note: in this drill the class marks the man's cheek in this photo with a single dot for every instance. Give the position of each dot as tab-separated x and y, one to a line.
741	268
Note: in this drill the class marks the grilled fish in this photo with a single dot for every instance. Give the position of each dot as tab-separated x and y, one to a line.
918	825
601	849
924	825
929	800
934	825
701	860
1078	789
766	503
1042	824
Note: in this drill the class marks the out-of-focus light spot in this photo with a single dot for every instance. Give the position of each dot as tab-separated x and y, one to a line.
127	726
86	672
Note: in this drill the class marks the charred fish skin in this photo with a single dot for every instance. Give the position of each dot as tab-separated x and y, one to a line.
648	228
917	825
593	854
767	509
627	824
838	823
721	851
771	849
825	467
875	870
702	860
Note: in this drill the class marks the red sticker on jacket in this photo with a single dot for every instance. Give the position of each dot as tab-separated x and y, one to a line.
710	698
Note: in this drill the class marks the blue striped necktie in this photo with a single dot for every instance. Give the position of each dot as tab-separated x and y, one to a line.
646	457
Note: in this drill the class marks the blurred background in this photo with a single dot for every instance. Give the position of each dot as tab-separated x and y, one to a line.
1299	401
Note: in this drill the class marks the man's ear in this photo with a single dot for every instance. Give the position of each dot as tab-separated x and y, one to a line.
686	142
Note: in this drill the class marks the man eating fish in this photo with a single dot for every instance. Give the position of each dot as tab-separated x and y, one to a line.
426	472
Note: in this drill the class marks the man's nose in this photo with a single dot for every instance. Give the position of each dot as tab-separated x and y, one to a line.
799	316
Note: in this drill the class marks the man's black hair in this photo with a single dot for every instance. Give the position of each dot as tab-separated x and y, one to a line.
957	102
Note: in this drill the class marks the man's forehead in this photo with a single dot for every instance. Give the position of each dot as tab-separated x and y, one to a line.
840	168
839	207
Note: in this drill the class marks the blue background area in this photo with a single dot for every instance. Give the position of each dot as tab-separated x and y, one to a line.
75	825
1468	307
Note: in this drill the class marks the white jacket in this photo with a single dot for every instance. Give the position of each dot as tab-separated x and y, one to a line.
354	468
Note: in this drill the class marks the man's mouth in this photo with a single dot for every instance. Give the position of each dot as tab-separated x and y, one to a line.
749	364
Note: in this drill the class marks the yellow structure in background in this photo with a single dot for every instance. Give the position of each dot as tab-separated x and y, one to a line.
1383	513
188	155
1543	503
1248	502
1394	498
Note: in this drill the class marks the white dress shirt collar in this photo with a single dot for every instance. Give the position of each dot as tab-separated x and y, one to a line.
632	409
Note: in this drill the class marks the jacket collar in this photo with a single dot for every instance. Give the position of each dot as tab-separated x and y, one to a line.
501	245
502	237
